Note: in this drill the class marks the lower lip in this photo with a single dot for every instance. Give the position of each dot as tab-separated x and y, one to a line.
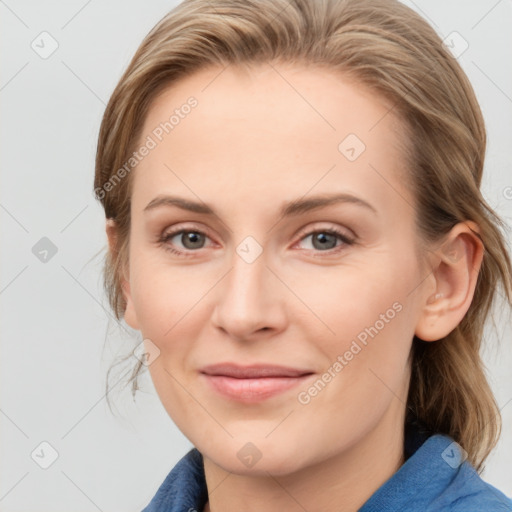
252	390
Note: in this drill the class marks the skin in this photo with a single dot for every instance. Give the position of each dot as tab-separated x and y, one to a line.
257	139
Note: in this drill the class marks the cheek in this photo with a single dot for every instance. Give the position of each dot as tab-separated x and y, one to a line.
367	371
373	317
162	295
367	303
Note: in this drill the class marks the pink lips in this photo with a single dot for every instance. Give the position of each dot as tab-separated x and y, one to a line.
252	383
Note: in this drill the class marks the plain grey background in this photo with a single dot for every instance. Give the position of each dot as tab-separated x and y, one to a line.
57	333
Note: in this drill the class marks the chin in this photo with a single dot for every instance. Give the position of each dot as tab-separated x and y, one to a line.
257	458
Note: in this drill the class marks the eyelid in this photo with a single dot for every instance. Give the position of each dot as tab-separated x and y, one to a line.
319	226
177	228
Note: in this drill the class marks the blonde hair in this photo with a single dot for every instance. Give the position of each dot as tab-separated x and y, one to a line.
393	51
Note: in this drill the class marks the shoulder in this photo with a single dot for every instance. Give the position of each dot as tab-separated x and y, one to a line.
465	489
437	477
468	492
184	488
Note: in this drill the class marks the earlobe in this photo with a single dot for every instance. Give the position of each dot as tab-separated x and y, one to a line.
130	316
455	273
111	230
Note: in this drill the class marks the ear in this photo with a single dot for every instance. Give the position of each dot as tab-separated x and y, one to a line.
130	316
454	277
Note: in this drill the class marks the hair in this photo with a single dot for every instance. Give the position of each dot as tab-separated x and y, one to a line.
393	51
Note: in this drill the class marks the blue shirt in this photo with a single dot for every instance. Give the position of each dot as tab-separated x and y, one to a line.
432	478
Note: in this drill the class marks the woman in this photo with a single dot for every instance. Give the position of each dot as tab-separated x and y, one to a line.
241	140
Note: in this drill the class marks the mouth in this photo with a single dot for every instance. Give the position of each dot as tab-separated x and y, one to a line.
252	383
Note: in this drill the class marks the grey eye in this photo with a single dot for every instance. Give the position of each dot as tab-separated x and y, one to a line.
191	239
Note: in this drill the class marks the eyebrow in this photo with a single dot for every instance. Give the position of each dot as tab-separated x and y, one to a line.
291	208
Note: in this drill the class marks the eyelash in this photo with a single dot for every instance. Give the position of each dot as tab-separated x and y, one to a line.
165	237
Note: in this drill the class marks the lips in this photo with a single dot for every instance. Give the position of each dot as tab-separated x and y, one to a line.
252	383
254	371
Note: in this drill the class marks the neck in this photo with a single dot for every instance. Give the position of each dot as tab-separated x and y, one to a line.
340	483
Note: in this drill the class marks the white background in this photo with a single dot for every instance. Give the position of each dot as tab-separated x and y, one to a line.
55	348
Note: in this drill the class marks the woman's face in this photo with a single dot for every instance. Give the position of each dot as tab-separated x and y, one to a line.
295	246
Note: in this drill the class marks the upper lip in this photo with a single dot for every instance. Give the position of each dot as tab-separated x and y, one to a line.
253	371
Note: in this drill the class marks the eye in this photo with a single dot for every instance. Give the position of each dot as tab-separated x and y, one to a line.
190	239
324	240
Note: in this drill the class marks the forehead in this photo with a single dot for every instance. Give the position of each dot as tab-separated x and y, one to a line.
270	130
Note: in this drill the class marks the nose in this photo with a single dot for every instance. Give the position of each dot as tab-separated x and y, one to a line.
249	300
